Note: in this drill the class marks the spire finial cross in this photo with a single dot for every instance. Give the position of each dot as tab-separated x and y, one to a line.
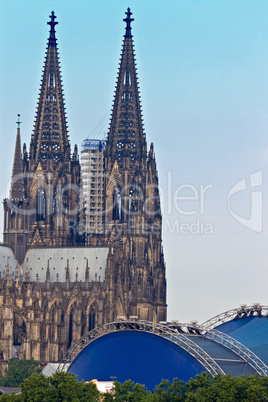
18	122
128	21
52	23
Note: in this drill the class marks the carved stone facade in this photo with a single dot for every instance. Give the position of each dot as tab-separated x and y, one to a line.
58	283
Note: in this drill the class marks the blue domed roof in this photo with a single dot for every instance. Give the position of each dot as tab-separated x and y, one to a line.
234	342
142	357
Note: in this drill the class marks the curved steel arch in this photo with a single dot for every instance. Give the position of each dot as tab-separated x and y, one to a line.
239	312
238	348
163	331
230	343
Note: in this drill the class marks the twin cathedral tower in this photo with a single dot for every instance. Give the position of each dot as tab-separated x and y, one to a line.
58	282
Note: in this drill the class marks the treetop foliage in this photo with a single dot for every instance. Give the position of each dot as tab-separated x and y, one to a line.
18	371
64	387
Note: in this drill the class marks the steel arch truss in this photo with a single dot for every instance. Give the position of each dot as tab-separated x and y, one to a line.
236	347
240	312
163	331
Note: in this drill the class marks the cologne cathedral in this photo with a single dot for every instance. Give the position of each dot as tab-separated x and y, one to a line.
58	282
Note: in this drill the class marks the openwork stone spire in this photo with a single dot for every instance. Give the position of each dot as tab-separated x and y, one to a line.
16	188
50	139
126	142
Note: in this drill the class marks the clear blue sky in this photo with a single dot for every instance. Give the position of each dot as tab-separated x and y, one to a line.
203	71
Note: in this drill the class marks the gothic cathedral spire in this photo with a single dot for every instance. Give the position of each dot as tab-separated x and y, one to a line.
16	188
126	141
50	143
132	216
43	208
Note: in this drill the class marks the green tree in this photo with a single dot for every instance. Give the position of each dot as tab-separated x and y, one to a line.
18	371
60	386
11	398
128	392
166	391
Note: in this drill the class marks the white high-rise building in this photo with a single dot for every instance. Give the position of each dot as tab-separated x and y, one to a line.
92	168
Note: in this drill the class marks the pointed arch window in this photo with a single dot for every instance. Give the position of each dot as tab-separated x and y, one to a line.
135	199
56	146
70	329
127	78
56	157
91	319
51	81
120	144
44	146
117	204
132	144
40	204
119	156
133	155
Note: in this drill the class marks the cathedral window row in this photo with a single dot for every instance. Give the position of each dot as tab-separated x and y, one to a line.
127	115
127	96
46	134
45	146
122	144
126	107
132	155
51	98
47	110
47	117
126	133
126	123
